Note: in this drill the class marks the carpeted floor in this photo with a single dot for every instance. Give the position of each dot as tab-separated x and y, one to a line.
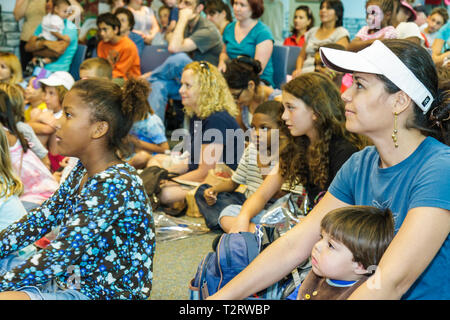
175	263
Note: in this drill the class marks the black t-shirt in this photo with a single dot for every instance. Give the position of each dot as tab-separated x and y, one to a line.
339	151
219	127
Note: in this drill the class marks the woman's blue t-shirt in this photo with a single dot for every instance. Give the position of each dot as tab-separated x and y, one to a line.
259	33
421	180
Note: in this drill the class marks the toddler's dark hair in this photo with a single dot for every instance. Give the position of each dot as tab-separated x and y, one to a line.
366	231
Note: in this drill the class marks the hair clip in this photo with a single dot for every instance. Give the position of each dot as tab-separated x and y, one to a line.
36	83
204	65
435	119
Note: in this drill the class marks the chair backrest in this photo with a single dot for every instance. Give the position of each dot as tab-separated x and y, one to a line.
153	56
77	59
294	51
280	61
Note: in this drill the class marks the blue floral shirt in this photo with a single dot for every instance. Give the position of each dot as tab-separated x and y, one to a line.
106	241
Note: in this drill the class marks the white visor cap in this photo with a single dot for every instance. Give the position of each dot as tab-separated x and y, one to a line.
378	59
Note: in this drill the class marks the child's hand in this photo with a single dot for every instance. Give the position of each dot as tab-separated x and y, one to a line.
47	118
64	162
210	196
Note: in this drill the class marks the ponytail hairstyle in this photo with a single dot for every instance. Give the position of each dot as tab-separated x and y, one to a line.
10	183
11	111
241	70
119	106
436	121
366	231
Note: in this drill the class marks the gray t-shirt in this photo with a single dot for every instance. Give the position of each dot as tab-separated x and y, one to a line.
312	45
208	40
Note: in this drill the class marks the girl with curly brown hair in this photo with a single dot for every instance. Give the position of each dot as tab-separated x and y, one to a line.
314	115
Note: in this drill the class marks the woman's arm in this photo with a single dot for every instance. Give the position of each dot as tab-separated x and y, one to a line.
222	66
20	8
420	237
282	256
263	52
300	59
255	203
357	44
436	49
343	42
153	31
210	155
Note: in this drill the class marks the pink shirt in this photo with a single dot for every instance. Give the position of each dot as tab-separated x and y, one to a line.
388	32
38	182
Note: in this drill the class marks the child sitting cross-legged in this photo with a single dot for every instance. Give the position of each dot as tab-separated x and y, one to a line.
352	242
256	162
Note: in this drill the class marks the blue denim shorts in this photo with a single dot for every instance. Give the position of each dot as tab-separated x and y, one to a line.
51	291
48	291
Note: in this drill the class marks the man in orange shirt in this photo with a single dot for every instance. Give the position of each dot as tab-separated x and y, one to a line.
120	51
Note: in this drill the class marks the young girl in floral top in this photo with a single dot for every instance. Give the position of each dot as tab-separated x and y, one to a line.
105	245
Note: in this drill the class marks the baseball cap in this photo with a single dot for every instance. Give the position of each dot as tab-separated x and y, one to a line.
379	59
59	78
410	8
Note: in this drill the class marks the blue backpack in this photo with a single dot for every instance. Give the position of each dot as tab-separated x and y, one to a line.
233	254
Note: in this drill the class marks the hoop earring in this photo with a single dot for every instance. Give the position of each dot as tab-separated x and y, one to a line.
394	133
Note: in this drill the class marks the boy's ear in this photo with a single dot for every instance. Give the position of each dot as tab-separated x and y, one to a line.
199	7
100	129
251	85
359	269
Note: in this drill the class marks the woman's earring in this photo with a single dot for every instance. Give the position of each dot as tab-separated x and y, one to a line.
394	133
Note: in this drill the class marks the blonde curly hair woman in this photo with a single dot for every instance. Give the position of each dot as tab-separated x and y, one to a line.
212	129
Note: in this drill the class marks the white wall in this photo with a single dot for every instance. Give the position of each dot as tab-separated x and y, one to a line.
7	5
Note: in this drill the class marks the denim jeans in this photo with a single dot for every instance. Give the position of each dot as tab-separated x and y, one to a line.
165	82
212	213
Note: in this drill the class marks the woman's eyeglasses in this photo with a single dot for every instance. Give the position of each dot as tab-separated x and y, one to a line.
236	96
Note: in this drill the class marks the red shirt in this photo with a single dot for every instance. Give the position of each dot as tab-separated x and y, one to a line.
292	41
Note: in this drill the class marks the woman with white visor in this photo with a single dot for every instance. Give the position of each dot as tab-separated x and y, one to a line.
394	101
